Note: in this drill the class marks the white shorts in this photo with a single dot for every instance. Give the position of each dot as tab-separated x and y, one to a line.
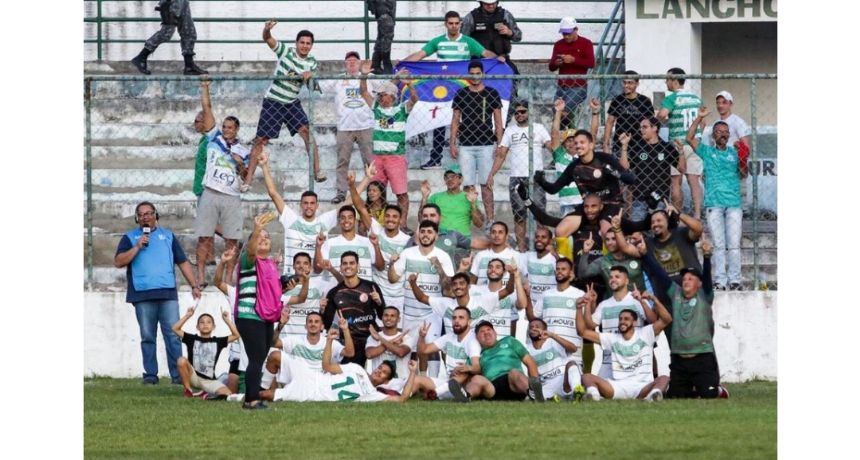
694	162
433	333
442	391
555	386
628	388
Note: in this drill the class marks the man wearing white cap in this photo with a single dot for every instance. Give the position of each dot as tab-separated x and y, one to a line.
572	55
738	128
389	137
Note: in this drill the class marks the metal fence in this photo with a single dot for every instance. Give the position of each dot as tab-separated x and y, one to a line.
140	143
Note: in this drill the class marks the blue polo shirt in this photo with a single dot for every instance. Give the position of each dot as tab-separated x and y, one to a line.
163	243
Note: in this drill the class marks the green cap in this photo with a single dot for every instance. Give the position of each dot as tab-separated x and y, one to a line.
454	168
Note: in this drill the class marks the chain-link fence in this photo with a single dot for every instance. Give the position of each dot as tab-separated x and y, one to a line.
143	143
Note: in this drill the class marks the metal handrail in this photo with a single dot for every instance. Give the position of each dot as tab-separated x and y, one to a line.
100	40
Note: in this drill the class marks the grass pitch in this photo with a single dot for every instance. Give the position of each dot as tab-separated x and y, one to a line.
124	419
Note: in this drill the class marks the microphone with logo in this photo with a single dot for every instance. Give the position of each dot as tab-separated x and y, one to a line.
146	232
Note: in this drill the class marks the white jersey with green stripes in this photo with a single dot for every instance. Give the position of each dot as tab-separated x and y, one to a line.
540	274
352	384
683	107
482	259
631	359
502	318
389	130
317	290
333	248
551	359
300	235
482	304
298	347
606	315
558	310
569	195
458	352
392	292
412	261
289	64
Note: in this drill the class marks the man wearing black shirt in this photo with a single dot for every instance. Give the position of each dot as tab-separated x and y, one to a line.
594	173
359	301
624	114
198	370
476	125
651	161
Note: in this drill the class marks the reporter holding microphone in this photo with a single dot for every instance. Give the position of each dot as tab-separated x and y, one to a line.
149	254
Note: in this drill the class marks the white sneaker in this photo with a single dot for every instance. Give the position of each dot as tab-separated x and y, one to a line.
240	397
244	188
591	394
654	395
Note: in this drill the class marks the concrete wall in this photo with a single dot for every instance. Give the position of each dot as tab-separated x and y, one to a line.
745	336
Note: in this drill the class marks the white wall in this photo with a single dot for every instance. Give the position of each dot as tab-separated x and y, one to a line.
333	29
745	337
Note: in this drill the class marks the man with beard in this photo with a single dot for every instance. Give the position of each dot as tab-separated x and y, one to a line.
558	377
592	172
391	241
454	243
674	249
422	260
300	231
631	350
556	307
391	344
480	306
505	318
356	299
606	313
462	356
540	264
318	287
348	241
499	249
602	267
307	348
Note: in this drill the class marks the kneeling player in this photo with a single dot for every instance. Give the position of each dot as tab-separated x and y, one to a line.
462	355
632	350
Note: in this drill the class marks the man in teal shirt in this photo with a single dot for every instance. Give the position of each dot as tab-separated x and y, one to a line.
501	364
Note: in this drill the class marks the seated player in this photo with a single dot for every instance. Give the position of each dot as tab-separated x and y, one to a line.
632	351
559	377
462	358
391	344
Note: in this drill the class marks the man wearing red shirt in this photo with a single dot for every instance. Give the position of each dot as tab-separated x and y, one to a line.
572	55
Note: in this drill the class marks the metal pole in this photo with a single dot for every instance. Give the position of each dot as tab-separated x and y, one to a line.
99	30
530	227
89	185
311	140
366	32
753	157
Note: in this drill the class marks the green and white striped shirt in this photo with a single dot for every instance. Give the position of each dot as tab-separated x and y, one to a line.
289	64
569	195
683	107
462	48
389	132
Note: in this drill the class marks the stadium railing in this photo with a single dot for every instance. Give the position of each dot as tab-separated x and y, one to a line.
139	141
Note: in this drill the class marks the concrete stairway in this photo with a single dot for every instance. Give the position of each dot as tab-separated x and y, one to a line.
143	148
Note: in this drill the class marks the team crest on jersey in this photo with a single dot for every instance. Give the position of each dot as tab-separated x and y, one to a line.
448	242
661	156
693	302
644	156
363	297
549	355
570	302
504	345
634	265
636	348
597	174
544	270
386	123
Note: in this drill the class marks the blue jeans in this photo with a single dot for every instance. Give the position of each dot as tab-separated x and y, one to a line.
572	97
725	227
149	313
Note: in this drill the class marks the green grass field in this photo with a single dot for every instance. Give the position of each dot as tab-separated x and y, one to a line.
124	419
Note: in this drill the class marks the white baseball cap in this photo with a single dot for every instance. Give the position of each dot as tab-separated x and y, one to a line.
491	2
567	25
726	95
387	88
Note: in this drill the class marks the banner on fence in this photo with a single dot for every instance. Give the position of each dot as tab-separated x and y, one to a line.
433	109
